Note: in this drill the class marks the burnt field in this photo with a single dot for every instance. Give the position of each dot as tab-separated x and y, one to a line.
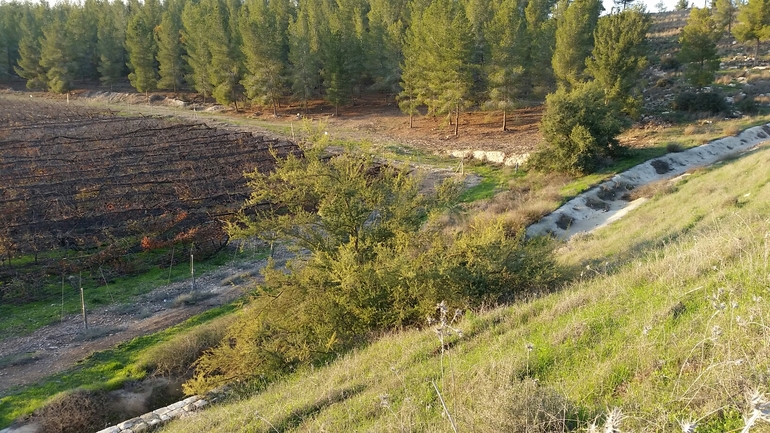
97	194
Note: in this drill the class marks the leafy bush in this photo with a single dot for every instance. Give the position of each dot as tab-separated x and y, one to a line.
670	63
710	102
373	265
580	130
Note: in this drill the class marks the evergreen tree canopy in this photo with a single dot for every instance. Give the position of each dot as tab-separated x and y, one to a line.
141	46
753	23
31	28
699	47
620	55
437	55
264	29
574	41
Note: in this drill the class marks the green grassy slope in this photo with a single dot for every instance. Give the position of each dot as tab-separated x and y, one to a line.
667	319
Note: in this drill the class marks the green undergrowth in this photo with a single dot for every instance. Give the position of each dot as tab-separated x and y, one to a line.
105	370
22	319
665	319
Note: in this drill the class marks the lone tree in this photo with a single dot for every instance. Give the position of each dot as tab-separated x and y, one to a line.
753	24
699	47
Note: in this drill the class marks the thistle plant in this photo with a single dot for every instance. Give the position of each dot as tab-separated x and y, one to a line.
444	329
759	407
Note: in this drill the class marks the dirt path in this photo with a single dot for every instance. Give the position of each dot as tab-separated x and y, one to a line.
609	201
57	347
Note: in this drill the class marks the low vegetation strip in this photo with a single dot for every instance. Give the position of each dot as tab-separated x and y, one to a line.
664	323
595	207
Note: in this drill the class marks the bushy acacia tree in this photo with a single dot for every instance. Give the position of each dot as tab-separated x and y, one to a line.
698	51
372	263
580	129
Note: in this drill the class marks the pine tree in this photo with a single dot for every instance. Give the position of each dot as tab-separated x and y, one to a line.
620	55
438	44
383	45
538	48
111	34
698	52
196	45
224	46
303	56
170	51
479	13
82	28
28	65
141	47
753	24
10	24
506	36
264	29
4	48
724	14
58	56
574	41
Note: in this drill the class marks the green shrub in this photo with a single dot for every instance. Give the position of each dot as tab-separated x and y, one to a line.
373	264
709	102
580	130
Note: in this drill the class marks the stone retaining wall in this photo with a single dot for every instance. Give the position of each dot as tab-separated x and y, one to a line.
158	417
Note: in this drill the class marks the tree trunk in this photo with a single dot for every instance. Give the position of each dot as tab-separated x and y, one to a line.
457	120
336	110
756	53
504	119
411	124
275	108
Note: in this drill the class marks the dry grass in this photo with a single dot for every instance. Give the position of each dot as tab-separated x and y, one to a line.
731	130
176	356
691	130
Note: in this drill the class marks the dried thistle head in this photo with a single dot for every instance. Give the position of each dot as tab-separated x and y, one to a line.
688	426
612	423
759	405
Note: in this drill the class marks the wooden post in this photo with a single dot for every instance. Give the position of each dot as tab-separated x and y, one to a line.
192	267
83	301
171	264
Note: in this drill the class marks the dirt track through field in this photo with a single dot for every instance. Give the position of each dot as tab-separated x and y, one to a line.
58	347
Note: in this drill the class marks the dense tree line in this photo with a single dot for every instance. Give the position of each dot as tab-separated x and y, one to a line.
445	55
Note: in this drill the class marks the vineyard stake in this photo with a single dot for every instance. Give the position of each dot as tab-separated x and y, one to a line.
106	285
83	300
192	267
62	295
171	264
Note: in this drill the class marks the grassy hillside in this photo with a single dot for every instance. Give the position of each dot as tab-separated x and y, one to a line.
666	319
